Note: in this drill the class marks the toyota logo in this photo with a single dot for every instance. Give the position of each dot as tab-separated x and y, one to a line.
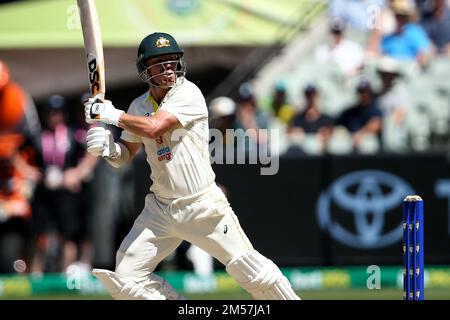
369	196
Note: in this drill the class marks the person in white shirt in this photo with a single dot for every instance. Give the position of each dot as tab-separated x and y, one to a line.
346	54
184	203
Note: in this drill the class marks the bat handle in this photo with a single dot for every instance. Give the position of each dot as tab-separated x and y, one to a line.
101	96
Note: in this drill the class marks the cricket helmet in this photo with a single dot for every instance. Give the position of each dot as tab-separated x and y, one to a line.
157	44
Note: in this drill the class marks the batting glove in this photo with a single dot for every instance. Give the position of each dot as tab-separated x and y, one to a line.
97	110
100	143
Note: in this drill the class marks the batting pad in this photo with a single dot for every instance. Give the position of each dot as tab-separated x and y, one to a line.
260	277
155	288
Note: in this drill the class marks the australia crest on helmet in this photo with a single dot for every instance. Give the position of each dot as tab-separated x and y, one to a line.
162	42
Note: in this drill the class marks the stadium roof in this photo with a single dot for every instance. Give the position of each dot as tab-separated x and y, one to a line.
41	40
55	23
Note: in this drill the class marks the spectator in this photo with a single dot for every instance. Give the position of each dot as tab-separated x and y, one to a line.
18	124
222	115
346	54
57	221
222	124
409	41
281	108
394	101
251	119
436	23
364	119
425	8
311	121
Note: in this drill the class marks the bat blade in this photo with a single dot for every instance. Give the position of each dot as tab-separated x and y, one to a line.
93	47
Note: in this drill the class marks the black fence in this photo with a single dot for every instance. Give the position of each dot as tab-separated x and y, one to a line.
338	210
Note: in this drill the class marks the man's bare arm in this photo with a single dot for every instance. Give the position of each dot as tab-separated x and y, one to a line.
148	127
372	127
125	153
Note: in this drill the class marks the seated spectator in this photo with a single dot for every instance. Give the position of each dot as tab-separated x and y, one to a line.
436	22
346	54
222	117
394	100
251	119
409	41
425	8
281	108
393	95
364	119
311	121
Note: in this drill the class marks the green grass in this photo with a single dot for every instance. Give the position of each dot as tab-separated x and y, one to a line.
335	294
332	294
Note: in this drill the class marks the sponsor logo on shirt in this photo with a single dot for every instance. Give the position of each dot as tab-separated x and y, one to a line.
163	152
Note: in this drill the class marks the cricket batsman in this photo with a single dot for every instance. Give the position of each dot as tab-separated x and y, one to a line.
171	121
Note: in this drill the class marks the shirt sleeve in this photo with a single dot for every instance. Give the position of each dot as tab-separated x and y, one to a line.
187	106
126	135
422	40
375	112
419	39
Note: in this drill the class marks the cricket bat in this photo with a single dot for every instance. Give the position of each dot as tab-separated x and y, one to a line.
93	47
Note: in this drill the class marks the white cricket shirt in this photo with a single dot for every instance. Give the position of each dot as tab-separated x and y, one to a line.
179	159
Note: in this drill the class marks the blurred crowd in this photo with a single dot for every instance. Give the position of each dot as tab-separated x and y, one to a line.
61	209
44	172
378	84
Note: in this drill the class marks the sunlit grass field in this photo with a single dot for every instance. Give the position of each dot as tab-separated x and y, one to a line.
332	294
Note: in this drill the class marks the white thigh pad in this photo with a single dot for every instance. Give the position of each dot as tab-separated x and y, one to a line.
260	277
120	288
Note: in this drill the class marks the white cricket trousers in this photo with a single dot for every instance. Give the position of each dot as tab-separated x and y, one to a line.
205	219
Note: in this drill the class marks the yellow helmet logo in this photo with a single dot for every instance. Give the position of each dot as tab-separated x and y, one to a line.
162	42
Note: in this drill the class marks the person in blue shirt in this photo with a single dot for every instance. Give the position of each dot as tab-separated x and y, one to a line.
409	42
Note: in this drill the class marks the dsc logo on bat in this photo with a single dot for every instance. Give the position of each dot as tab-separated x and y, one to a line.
94	75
